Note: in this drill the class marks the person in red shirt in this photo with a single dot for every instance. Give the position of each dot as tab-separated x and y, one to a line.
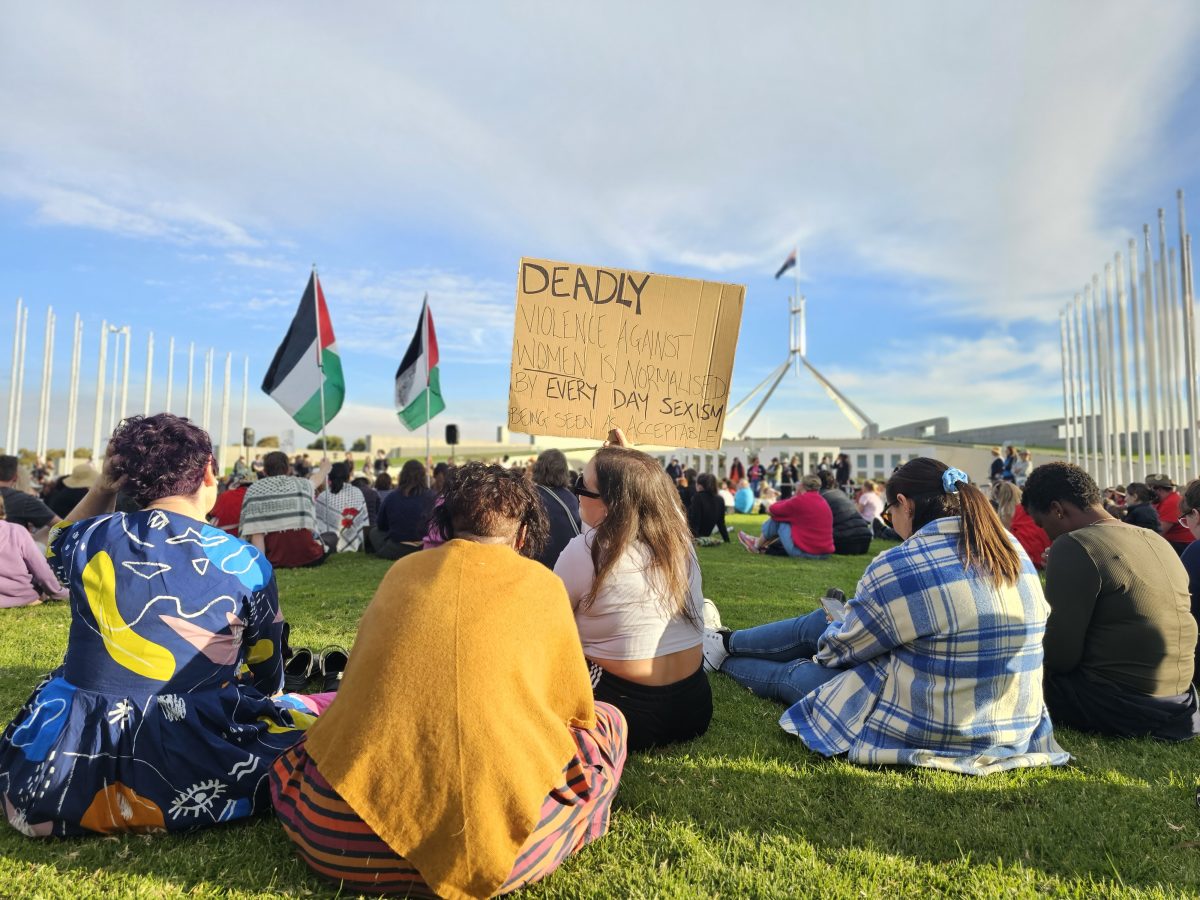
1167	505
226	513
803	524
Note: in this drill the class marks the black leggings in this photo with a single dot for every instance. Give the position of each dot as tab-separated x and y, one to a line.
659	715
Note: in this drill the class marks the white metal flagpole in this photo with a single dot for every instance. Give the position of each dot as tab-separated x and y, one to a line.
125	373
20	383
187	410
1166	357
1189	334
1150	320
320	359
221	461
1103	457
425	354
1122	323
39	448
17	362
170	372
1084	420
1066	403
116	362
1134	317
73	394
1091	366
98	423
206	405
47	402
149	372
1110	359
245	391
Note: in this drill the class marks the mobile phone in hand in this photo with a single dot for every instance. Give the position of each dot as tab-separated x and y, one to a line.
835	610
834	604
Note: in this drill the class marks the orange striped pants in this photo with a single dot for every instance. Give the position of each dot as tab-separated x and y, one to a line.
335	843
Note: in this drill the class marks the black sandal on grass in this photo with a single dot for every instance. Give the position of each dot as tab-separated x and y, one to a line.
331	663
298	671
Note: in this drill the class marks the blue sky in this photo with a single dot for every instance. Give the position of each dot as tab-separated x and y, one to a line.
952	174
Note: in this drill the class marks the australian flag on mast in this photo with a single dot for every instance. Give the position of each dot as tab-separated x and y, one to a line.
788	263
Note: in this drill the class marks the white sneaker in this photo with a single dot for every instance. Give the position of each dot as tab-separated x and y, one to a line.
712	616
715	653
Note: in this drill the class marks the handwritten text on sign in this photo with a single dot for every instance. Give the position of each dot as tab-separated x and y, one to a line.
597	348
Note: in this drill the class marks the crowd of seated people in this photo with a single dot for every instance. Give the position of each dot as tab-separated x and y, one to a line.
178	634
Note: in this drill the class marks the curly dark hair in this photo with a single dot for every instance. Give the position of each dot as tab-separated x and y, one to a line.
491	501
1061	481
160	456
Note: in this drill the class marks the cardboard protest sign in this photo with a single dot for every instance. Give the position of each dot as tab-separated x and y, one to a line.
598	348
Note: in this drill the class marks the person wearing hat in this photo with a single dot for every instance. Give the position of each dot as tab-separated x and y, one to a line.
73	489
1167	505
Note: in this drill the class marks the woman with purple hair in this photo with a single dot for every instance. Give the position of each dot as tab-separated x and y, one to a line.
161	716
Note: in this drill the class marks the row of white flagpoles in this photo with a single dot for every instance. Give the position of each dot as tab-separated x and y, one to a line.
1128	346
49	412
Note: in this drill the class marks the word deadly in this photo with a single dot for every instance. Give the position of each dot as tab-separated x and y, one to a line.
607	287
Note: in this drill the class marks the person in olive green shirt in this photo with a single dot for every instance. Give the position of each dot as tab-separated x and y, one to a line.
1120	641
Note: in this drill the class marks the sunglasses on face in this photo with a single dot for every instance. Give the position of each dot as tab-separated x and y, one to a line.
579	489
886	514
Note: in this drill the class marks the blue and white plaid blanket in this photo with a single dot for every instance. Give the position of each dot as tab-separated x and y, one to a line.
942	669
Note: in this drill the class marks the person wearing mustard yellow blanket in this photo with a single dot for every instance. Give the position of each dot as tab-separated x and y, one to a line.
464	755
161	716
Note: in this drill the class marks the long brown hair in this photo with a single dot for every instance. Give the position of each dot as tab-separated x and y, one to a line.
983	544
413	479
643	507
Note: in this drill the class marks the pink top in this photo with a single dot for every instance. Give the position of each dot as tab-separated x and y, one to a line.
810	518
24	573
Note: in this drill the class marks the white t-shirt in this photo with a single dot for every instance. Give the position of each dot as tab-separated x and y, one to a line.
626	620
727	497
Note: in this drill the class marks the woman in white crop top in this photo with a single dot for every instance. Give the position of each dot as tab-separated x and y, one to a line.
634	584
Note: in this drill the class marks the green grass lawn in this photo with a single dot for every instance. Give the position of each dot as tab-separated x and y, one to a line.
745	811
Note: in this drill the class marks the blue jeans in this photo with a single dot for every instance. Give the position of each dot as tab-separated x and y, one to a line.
783	531
775	660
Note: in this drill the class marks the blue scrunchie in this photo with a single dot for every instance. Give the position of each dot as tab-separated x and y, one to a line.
951	478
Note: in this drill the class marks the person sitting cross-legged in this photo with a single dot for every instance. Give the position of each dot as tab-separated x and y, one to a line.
937	659
464	755
279	516
1121	640
163	715
801	526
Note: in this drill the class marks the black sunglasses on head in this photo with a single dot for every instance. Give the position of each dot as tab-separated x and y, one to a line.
579	489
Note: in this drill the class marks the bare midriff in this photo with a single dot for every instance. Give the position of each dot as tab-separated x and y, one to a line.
655	672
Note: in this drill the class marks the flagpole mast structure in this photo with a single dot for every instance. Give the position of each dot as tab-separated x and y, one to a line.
98	422
170	372
425	353
320	361
73	393
798	351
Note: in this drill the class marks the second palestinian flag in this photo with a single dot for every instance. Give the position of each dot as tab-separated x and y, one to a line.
418	387
307	365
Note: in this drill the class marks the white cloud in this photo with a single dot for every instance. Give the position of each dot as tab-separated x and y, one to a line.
967	157
975	155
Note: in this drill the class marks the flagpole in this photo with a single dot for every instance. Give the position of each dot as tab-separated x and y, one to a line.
425	353
320	367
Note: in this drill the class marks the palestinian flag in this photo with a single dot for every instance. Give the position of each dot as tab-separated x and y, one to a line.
418	388
307	364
